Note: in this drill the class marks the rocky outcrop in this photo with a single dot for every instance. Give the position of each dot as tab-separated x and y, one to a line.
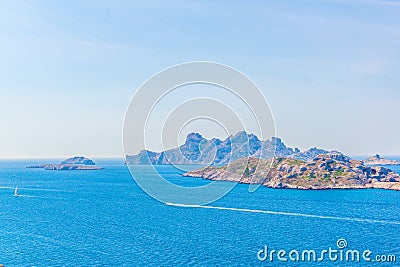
326	171
199	150
75	163
79	160
378	160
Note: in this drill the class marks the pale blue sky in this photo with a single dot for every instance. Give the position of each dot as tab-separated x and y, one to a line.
68	69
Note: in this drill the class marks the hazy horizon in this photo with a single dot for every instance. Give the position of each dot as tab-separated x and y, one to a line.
329	69
181	143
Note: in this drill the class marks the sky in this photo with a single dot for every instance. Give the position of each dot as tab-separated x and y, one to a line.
68	69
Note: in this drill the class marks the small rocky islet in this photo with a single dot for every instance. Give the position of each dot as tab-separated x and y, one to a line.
75	163
378	160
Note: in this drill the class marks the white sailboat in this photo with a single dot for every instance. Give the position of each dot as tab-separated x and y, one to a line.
16	194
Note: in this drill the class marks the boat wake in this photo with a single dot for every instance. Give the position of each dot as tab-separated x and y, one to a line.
17	194
24	196
32	189
285	213
30	196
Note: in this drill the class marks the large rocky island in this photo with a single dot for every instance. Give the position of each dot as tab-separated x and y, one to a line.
326	171
246	159
75	163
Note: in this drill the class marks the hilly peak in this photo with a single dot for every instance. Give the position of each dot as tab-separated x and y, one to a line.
243	137
240	136
276	140
199	150
194	137
253	138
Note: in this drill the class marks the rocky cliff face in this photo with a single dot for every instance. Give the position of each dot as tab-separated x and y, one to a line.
199	150
326	171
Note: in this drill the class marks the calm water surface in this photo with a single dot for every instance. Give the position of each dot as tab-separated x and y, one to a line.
93	218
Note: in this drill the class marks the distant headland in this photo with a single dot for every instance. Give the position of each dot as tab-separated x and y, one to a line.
75	163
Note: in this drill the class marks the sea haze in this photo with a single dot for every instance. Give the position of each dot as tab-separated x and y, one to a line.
91	218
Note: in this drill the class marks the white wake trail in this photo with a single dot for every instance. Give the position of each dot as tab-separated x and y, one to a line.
30	196
32	189
284	213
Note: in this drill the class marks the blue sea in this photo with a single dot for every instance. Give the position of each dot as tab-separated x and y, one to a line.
96	218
